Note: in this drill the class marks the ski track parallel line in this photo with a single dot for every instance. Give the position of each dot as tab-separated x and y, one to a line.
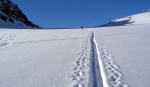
101	66
95	76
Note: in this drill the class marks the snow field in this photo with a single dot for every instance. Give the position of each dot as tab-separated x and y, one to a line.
80	76
128	47
104	57
40	58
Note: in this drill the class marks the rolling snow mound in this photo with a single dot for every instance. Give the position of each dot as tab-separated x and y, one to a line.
138	19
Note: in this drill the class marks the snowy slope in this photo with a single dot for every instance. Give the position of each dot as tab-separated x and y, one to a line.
115	56
40	58
12	17
14	25
125	52
142	18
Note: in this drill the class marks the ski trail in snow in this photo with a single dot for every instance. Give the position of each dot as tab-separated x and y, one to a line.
98	77
94	67
113	74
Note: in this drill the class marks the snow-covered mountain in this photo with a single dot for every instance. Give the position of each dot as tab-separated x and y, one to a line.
142	18
12	17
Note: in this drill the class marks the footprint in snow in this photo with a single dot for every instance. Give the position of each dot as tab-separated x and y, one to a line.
78	85
3	44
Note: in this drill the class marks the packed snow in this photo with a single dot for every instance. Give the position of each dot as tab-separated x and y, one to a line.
115	56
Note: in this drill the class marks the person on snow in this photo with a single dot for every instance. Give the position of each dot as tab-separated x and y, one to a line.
81	27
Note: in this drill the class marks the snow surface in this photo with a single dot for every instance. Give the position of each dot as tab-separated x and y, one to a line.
38	58
115	56
129	49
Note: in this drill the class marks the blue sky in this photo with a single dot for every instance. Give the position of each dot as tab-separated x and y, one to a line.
76	13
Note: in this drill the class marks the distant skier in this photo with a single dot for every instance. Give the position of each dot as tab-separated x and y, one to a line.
81	27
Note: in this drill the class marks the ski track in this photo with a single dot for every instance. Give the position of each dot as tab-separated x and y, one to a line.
114	75
95	74
87	72
94	66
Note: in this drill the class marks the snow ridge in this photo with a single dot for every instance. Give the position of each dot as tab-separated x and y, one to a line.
137	19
